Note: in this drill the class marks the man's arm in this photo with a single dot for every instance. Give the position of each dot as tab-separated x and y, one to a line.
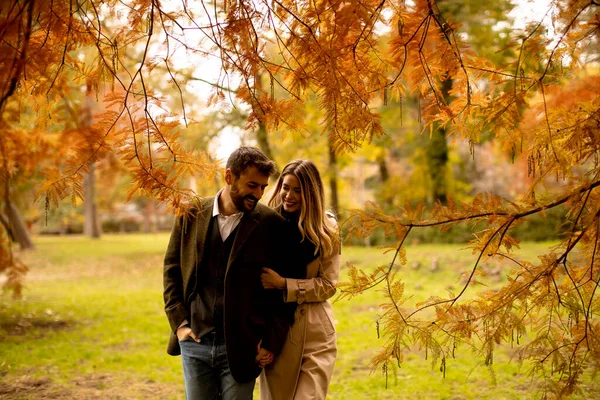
279	315
172	279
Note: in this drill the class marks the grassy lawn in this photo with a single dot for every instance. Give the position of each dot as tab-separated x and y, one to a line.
91	325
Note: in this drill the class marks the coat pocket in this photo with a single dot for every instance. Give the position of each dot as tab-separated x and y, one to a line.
326	317
297	329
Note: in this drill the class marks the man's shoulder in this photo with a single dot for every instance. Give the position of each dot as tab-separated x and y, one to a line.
272	226
268	215
198	203
267	211
194	206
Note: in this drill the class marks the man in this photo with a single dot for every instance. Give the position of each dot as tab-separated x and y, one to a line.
224	324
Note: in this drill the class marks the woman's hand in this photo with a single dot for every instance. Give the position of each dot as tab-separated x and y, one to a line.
263	356
271	279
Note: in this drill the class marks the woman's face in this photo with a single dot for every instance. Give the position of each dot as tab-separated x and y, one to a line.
291	194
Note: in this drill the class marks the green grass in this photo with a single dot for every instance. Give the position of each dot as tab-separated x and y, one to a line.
91	325
91	309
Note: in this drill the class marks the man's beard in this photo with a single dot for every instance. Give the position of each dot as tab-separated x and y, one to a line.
239	202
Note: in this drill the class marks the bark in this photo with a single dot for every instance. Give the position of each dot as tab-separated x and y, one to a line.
384	176
437	159
6	224
149	212
91	223
262	139
384	172
437	154
17	228
333	183
262	136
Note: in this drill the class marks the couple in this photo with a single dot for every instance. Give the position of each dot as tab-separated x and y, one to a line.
246	286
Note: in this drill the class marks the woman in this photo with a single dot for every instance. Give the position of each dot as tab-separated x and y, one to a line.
303	368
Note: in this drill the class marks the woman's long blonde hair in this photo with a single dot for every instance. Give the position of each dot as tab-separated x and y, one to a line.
312	222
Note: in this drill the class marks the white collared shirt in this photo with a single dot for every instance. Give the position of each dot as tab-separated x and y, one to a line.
227	223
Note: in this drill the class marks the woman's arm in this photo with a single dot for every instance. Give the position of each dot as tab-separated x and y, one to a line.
319	288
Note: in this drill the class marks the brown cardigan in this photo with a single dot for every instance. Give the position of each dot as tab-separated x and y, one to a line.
251	313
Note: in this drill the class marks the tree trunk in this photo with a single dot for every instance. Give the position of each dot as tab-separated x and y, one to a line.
17	228
384	177
437	158
91	223
7	228
262	140
384	172
333	183
437	155
149	211
262	136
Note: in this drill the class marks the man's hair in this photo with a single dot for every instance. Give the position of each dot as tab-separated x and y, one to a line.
245	157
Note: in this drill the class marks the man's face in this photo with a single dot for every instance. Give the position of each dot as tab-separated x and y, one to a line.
247	190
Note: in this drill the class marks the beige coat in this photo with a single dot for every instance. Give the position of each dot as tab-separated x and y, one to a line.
303	368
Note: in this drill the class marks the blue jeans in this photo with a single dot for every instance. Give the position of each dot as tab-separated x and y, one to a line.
206	371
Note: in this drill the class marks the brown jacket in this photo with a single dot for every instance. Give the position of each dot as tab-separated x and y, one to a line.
303	368
251	313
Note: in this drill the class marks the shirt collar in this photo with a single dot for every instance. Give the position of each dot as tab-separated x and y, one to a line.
217	211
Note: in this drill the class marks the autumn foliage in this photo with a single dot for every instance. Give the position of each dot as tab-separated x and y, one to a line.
353	57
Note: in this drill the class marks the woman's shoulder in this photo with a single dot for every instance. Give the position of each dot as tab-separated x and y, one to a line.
331	219
334	229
